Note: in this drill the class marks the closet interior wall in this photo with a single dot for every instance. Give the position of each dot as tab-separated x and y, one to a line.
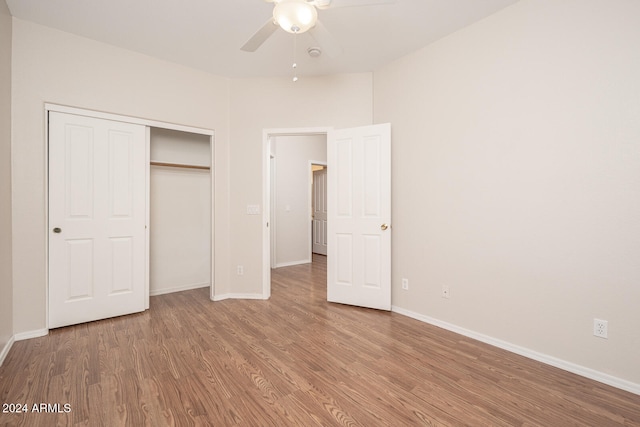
180	211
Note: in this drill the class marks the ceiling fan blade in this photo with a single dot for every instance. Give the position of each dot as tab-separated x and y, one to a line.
327	42
351	3
260	36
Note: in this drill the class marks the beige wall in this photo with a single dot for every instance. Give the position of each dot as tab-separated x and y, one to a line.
6	284
293	195
57	67
516	179
257	104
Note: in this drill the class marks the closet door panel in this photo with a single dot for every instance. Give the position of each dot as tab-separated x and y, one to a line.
78	171
97	205
121	170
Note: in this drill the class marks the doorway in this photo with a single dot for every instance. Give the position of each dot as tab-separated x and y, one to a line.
359	198
292	196
287	235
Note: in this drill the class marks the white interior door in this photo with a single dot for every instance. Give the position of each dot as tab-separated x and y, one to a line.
97	181
359	216
319	221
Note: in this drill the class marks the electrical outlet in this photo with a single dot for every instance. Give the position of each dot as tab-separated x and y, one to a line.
445	291
405	284
240	270
600	328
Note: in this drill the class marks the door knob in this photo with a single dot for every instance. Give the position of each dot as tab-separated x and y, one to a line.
57	230
384	226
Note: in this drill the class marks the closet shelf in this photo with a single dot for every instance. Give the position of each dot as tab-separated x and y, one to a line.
179	165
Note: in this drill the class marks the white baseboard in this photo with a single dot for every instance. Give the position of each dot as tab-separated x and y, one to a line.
540	357
154	292
292	263
5	349
31	334
238	296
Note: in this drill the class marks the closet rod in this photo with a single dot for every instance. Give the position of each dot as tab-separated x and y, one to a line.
180	165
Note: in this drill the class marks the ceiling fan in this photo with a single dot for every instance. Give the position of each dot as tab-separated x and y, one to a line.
299	16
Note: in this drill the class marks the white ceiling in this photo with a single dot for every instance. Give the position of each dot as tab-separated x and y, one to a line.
208	34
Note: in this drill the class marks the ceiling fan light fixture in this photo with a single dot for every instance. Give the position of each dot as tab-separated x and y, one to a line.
295	16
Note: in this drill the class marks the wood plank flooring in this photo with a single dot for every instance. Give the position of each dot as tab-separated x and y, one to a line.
293	360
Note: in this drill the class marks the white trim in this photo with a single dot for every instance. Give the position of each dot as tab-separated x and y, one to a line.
6	349
273	197
127	119
266	194
297	131
31	334
238	296
522	351
147	225
310	203
292	263
179	289
212	213
266	214
47	225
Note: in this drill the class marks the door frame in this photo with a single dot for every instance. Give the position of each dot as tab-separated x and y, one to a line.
310	186
50	107
273	164
267	135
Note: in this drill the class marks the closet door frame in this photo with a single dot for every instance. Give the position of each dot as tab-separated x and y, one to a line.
148	124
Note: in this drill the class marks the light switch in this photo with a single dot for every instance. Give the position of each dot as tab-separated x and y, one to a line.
253	209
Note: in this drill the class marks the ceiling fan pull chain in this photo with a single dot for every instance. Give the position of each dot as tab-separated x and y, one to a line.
295	64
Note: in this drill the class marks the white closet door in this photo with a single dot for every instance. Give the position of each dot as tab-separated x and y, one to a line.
96	219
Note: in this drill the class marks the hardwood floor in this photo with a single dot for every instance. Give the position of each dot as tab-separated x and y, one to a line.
292	360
